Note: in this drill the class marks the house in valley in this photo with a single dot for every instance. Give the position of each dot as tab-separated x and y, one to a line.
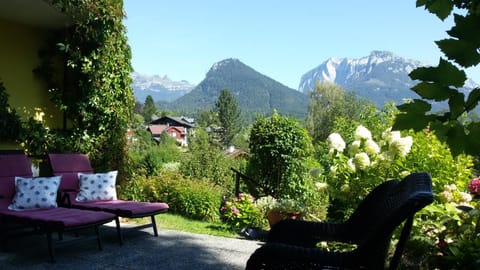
176	127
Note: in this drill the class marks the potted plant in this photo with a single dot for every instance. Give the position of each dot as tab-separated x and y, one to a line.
279	209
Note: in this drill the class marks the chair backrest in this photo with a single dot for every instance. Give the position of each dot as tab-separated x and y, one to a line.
365	217
399	205
11	165
68	166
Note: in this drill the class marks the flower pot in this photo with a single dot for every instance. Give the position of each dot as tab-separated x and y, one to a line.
276	216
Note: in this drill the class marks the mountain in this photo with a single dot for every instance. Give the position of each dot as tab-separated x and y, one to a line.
254	92
160	88
379	77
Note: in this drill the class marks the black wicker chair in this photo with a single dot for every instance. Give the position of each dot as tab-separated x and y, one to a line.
292	244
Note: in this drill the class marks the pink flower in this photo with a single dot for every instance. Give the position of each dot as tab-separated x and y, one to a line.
235	210
474	186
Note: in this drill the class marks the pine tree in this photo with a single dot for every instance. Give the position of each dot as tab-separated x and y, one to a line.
149	109
228	114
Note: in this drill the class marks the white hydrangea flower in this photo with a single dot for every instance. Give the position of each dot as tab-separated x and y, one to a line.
451	187
336	142
333	169
390	136
351	165
402	146
354	148
445	196
404	174
466	197
371	147
321	185
362	133
361	160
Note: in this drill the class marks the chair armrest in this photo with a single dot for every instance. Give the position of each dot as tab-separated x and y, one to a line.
306	233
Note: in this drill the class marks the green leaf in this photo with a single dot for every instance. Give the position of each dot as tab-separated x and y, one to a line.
421	3
460	51
440	128
414	116
457	104
433	91
472	100
441	8
406	121
472	138
456	138
444	74
416	107
466	28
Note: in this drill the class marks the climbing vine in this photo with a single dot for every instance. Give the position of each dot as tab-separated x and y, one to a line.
95	94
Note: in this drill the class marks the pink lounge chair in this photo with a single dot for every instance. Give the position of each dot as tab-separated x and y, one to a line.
69	165
42	220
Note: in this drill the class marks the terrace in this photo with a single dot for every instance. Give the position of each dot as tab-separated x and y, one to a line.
170	250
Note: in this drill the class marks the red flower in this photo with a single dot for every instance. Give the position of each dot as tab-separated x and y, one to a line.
442	244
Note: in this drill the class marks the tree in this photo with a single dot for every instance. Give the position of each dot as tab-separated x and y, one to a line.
443	82
329	101
149	109
228	115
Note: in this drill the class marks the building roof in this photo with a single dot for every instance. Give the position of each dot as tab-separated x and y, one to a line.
180	121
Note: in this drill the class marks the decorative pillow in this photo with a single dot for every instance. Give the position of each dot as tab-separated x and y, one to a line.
35	193
97	187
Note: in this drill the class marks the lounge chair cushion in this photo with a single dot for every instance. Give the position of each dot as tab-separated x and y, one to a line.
60	218
97	187
35	193
124	208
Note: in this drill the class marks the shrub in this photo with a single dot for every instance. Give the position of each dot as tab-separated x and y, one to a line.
280	149
353	170
192	198
205	160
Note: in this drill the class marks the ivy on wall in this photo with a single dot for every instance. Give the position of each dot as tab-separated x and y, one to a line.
95	93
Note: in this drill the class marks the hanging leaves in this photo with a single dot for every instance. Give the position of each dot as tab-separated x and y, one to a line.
443	82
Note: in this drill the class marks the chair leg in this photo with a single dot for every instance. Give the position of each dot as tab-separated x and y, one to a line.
119	232
99	241
50	246
3	235
154	225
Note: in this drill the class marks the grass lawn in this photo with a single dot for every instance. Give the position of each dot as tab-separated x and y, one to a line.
179	223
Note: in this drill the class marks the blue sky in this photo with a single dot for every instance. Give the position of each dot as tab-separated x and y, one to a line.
281	39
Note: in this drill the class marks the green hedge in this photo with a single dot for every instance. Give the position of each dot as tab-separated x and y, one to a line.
193	198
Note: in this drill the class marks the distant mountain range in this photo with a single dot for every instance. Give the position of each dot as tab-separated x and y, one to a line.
379	77
160	88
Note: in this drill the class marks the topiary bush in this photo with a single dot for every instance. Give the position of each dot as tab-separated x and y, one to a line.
279	151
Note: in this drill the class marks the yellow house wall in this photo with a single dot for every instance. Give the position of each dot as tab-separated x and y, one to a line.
19	48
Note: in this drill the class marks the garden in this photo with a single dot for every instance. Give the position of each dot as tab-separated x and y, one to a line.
322	181
318	168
